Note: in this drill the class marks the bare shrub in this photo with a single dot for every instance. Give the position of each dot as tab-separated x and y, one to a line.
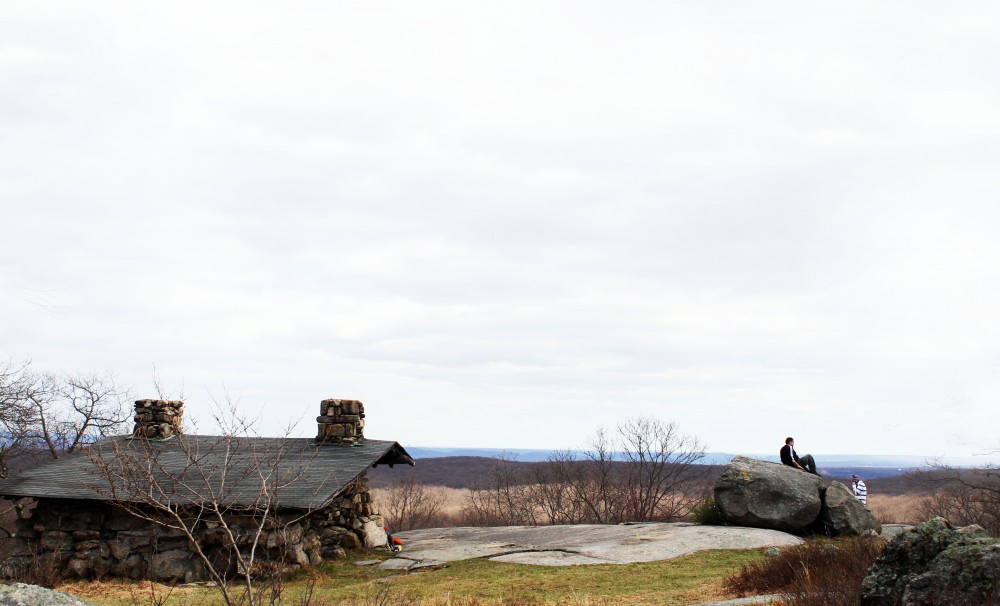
503	498
44	571
817	573
408	504
707	512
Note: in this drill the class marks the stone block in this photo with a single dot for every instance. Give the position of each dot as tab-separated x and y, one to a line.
56	540
171	566
135	540
118	549
342	418
82	568
125	522
350	540
334	431
86	545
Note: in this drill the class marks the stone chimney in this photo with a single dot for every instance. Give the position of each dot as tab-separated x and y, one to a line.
158	419
341	422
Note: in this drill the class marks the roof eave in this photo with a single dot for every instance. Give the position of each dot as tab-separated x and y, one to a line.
395	455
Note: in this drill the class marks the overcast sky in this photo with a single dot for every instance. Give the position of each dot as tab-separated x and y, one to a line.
507	224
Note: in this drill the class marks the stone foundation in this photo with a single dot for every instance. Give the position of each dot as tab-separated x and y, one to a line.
95	539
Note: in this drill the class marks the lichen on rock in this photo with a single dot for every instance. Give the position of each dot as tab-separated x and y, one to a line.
935	563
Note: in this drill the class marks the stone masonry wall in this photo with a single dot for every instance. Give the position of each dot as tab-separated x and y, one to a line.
158	419
341	422
95	539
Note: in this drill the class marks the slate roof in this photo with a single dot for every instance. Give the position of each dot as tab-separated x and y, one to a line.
309	474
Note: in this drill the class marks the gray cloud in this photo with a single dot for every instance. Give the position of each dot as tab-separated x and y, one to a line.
528	220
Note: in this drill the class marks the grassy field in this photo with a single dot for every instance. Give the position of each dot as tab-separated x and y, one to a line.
688	580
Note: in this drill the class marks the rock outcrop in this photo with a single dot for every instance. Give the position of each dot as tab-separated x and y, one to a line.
761	494
22	594
935	564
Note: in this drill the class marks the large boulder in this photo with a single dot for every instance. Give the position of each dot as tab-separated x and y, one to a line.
935	564
762	494
844	515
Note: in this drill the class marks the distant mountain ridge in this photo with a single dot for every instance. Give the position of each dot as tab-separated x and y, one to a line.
839	461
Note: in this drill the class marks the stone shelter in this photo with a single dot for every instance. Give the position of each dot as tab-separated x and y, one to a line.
294	501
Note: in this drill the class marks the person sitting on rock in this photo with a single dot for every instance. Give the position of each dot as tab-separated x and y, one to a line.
788	457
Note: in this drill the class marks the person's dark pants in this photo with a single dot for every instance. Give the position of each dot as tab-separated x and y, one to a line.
809	463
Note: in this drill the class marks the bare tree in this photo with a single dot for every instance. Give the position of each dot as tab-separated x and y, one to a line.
72	410
599	485
646	470
660	468
16	422
44	415
223	493
56	413
555	489
965	496
16	415
408	503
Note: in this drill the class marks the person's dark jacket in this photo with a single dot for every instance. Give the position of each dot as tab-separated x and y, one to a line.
788	456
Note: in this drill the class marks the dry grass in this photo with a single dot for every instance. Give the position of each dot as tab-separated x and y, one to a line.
816	573
897	509
687	580
121	589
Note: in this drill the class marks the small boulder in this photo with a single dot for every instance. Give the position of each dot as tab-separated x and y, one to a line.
844	515
935	563
761	494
